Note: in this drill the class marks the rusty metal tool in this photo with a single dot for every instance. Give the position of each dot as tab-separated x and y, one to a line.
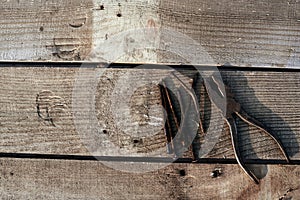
230	111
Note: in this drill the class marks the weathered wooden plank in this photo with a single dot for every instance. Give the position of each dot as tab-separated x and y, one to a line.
60	179
241	32
70	30
45	30
238	32
129	119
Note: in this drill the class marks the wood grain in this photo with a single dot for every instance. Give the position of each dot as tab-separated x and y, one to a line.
128	119
45	30
239	33
70	30
37	114
56	179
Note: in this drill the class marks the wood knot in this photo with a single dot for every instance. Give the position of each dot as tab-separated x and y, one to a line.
49	106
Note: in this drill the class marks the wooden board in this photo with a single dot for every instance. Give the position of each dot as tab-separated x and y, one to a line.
239	33
44	30
37	115
57	179
270	97
63	31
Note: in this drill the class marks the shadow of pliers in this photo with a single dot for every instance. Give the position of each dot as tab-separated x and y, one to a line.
223	98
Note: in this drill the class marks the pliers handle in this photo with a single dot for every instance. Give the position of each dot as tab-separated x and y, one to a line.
221	95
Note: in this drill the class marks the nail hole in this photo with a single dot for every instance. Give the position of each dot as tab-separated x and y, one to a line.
182	172
216	173
101	7
119	15
135	141
11	173
41	28
105	131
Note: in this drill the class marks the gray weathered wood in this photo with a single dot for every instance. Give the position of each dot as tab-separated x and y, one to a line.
270	97
246	33
240	32
58	179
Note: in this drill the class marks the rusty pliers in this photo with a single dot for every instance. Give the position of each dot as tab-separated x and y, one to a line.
223	98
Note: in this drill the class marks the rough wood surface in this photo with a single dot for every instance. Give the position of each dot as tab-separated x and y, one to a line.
31	96
53	179
69	30
240	32
45	30
37	116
